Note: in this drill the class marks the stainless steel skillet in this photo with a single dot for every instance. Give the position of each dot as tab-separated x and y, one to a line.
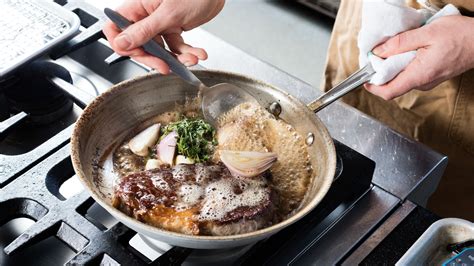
109	117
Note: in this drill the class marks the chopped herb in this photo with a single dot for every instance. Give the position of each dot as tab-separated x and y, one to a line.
196	138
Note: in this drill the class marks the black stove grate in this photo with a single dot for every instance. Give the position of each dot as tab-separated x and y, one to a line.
36	195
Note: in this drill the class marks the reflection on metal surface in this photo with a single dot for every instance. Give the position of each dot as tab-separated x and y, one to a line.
196	257
275	109
362	218
388	226
309	139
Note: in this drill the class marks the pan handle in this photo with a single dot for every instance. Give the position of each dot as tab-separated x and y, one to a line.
81	98
352	82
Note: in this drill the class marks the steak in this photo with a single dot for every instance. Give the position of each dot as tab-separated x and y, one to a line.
197	199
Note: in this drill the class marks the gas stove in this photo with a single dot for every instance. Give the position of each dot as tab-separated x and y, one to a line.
48	219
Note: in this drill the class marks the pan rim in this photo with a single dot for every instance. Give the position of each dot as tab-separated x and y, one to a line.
121	217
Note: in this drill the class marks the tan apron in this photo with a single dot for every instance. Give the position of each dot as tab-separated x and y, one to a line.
442	118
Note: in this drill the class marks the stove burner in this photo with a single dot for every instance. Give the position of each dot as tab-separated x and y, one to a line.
31	91
4	114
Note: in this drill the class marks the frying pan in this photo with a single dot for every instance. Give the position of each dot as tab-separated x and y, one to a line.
110	117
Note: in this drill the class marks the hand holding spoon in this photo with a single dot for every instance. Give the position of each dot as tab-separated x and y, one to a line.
215	100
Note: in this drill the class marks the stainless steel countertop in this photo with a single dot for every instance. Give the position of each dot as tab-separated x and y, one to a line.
402	163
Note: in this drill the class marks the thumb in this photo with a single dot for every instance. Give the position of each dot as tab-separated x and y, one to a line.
142	31
403	42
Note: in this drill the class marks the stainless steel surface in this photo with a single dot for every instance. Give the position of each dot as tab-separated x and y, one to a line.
309	139
109	118
402	163
115	58
326	7
215	257
80	97
344	235
351	83
6	124
274	109
358	255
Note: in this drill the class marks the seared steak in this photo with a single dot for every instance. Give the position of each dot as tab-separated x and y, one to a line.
197	199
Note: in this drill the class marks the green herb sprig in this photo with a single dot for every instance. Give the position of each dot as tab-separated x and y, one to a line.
196	138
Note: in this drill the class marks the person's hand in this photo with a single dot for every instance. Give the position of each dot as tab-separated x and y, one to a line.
445	49
162	20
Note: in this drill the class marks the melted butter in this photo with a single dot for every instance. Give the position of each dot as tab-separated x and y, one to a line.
249	127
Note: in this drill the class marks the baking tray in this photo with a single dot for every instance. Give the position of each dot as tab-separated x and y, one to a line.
431	247
30	28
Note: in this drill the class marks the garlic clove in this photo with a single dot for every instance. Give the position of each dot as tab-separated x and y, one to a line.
181	159
167	148
152	164
142	141
247	163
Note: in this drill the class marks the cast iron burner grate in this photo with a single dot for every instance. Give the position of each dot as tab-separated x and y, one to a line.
36	195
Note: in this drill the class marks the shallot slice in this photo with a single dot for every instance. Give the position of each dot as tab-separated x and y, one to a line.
247	163
167	148
144	140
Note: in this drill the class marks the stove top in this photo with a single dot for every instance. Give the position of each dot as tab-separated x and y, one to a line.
47	218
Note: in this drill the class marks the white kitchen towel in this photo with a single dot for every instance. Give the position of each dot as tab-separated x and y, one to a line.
382	19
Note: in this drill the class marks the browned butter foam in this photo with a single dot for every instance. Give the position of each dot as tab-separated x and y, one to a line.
249	127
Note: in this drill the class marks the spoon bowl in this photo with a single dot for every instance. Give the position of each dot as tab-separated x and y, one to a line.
215	100
220	99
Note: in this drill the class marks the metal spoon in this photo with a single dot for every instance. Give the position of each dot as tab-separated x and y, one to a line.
215	100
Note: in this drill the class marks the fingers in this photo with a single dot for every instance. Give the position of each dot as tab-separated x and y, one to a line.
187	54
143	30
150	22
385	92
403	42
188	59
111	31
153	62
131	11
177	45
408	79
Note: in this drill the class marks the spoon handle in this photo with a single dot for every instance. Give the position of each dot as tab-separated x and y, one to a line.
153	48
352	82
